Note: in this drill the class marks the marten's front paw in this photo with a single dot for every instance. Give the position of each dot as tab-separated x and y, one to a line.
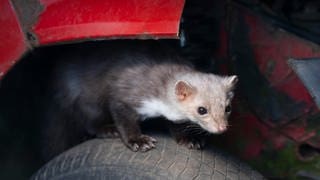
191	142
141	143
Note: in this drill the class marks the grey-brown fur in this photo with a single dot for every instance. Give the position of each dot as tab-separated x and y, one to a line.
97	87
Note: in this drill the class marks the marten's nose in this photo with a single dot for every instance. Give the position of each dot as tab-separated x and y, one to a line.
222	128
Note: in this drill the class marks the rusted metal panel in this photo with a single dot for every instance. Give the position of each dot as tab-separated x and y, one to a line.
262	52
65	20
272	48
275	124
12	41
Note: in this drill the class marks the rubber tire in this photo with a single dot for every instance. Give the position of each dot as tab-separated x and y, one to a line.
99	159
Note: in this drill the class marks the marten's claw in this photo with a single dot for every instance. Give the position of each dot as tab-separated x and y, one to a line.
191	143
142	143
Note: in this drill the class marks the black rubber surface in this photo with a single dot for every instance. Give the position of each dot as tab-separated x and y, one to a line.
99	159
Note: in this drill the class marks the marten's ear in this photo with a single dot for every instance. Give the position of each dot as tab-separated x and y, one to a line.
231	82
184	90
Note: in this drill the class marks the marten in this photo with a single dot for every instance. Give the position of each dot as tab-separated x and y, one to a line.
109	89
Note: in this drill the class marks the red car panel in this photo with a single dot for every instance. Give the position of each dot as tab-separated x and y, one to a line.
13	44
65	20
43	22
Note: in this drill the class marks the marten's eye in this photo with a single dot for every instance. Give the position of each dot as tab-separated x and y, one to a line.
228	109
202	110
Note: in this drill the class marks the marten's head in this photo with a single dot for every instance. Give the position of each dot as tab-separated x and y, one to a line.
206	99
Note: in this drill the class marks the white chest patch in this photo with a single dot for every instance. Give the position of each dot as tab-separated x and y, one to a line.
155	108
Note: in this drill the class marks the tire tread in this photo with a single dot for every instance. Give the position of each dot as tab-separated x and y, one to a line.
109	159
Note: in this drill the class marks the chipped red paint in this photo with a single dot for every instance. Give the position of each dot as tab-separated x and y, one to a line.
252	137
279	46
12	42
272	49
64	20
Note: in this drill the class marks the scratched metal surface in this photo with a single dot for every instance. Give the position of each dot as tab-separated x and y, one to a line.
308	72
